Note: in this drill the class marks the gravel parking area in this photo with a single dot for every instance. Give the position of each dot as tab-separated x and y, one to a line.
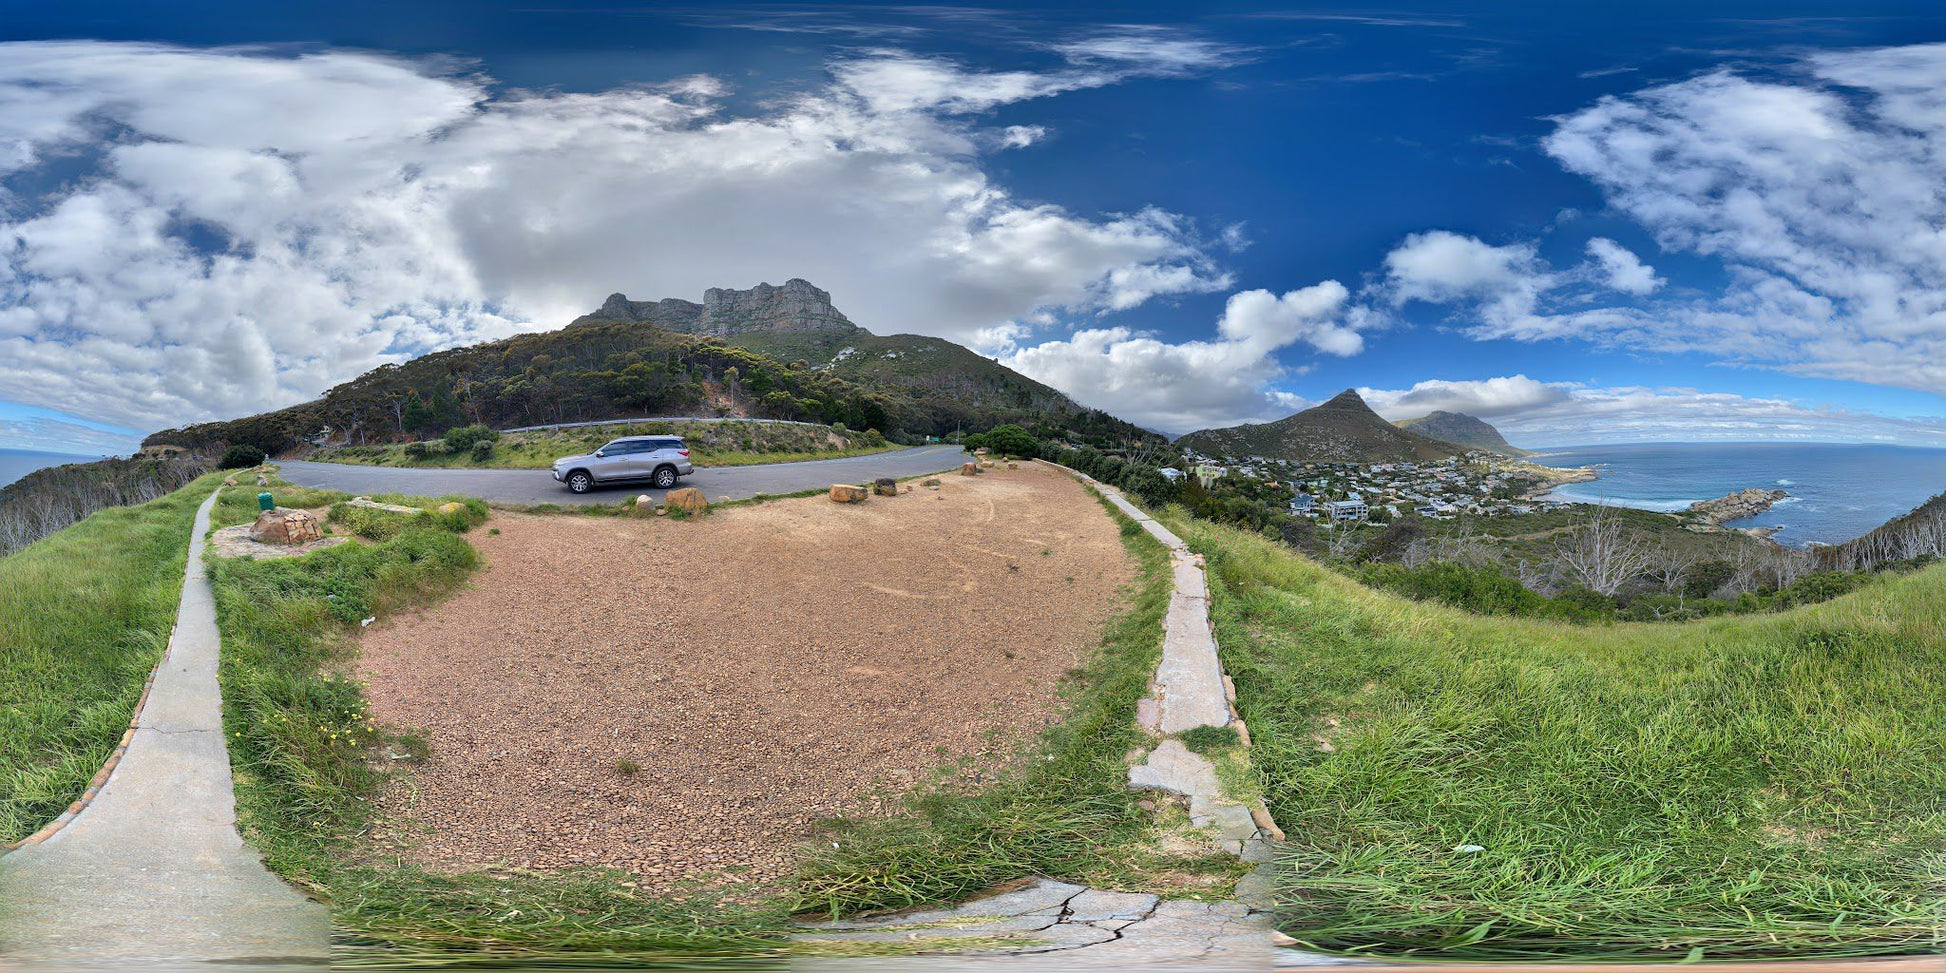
686	698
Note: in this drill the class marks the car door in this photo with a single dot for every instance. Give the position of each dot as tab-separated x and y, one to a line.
660	451
617	461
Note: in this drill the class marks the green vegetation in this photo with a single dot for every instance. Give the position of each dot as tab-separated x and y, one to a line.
84	616
309	762
1007	440
710	444
1731	788
241	455
1063	810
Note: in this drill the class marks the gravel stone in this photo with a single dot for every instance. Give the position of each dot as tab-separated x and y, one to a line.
770	667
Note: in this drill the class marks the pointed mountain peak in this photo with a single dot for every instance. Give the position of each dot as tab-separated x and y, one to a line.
1348	399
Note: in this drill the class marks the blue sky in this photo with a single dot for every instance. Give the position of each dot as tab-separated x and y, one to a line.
1651	220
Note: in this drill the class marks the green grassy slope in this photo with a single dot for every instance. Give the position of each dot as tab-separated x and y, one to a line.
84	615
1747	787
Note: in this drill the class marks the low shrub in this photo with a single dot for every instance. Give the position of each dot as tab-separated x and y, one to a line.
470	437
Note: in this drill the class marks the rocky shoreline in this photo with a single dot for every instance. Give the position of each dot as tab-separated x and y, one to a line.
1734	506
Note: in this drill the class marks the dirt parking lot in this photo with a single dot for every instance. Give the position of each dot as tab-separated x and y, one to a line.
680	698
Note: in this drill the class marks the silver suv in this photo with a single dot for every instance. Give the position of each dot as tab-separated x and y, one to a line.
656	459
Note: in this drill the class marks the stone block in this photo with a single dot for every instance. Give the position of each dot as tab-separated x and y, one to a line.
885	486
846	493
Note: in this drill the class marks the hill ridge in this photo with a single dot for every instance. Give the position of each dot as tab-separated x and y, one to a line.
1342	429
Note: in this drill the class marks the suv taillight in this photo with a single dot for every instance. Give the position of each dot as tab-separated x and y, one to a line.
683	451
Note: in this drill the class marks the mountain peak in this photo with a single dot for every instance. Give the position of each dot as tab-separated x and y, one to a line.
1348	399
1343	429
1462	429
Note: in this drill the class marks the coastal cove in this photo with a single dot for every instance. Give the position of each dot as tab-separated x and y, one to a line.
16	463
1837	491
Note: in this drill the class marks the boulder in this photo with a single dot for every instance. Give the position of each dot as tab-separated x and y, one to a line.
689	500
846	493
285	526
885	486
644	506
1013	466
969	469
451	507
229	481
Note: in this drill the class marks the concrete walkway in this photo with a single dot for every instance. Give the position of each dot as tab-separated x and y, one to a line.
153	871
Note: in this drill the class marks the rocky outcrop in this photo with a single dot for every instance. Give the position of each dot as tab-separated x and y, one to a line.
1736	506
796	307
689	500
285	526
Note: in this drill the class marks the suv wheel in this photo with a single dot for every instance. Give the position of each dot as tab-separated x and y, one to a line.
580	482
665	477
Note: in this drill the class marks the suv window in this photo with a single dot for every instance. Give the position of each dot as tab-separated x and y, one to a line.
620	447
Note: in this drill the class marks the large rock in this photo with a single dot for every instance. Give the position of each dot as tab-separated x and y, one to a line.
689	500
969	469
1736	506
846	493
285	526
885	486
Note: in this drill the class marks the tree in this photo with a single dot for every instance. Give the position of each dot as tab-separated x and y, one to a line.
1669	563
1012	440
241	455
1603	554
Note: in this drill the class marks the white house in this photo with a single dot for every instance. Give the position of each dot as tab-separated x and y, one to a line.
1349	510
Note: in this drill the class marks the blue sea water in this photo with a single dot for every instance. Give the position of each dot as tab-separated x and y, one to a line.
1837	492
16	463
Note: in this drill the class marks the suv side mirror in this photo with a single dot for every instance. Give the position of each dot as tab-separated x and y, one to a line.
599	454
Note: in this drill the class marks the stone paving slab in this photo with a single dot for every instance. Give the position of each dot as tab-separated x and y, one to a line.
153	870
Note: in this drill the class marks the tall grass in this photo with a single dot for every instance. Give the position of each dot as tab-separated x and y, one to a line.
1063	810
85	614
1732	788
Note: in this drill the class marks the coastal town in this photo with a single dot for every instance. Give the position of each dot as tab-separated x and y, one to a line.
1475	482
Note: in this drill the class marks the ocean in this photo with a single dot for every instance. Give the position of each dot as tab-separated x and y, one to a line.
16	463
1837	492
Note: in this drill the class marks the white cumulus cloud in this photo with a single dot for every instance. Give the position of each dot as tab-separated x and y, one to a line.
193	233
1178	387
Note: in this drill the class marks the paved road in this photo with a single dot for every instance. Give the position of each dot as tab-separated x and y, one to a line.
153	869
538	486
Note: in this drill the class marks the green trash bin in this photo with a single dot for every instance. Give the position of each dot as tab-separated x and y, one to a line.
264	502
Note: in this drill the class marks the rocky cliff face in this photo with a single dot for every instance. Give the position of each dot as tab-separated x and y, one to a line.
797	307
1736	506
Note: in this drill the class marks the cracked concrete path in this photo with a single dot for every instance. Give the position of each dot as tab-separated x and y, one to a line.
153	870
1059	926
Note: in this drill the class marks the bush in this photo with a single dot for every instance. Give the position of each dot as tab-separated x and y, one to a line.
483	450
469	437
1012	440
240	456
426	450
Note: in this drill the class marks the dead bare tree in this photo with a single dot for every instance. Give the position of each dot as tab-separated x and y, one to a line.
1669	563
1344	540
1602	554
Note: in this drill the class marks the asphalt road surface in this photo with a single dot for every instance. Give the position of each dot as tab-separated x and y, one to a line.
538	486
